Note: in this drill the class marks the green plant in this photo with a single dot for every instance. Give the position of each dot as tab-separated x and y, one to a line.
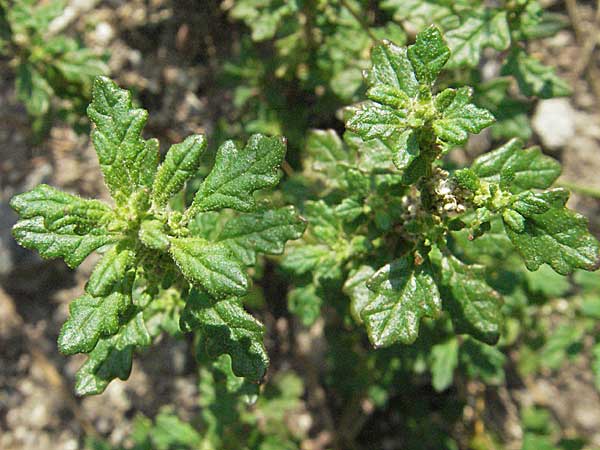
225	420
455	273
318	49
48	66
158	263
390	236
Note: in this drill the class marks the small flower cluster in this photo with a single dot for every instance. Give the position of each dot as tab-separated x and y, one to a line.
447	195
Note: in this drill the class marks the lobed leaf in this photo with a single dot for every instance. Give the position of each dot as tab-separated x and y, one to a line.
267	232
96	314
529	168
238	173
180	164
61	225
482	361
264	17
80	66
480	30
57	208
419	13
326	148
402	293
305	302
406	150
128	161
64	241
33	90
356	288
372	120
459	116
558	237
89	319
306	258
112	357
473	305
391	79
210	266
225	328
111	271
428	55
534	78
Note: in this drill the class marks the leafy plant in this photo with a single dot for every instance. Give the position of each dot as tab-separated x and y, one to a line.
225	419
452	274
401	262
158	262
320	56
48	66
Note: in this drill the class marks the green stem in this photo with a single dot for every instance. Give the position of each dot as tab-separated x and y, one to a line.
582	190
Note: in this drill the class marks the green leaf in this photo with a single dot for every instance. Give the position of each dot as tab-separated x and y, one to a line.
153	235
481	30
180	164
419	13
356	288
210	266
513	220
402	293
89	319
533	441
539	24
58	208
224	327
459	116
589	282
558	237
406	150
494	242
374	154
428	55
444	358
562	343
534	78
61	225
391	79
238	173
80	66
326	149
306	258
482	361
349	209
263	17
170	432
111	271
473	305
372	120
266	232
33	90
536	420
528	203
305	302
529	168
30	17
96	314
128	161
112	357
